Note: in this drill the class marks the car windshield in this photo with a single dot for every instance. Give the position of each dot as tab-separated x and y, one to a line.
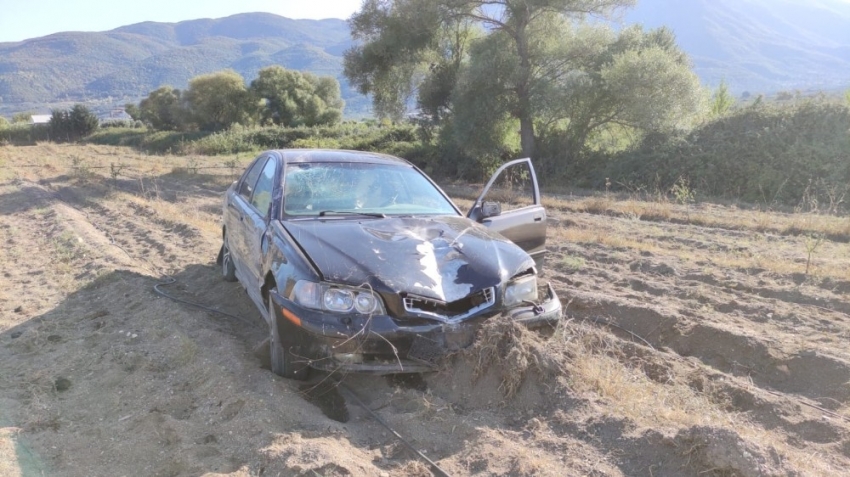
345	188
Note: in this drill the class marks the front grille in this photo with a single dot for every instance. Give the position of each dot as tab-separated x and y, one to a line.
452	311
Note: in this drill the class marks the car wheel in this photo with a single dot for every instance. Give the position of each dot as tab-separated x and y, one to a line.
228	269
284	362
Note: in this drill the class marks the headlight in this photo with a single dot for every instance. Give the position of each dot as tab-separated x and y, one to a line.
339	299
521	290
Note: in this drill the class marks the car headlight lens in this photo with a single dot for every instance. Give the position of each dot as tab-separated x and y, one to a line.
335	298
521	290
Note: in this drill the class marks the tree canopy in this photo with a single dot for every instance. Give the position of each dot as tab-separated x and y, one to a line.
219	100
293	98
400	37
161	109
73	124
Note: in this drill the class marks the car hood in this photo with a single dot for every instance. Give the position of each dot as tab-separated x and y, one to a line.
443	258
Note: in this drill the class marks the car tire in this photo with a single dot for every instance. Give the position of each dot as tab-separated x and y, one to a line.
228	268
283	361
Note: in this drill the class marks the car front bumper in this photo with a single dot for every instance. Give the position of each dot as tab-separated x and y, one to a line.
381	345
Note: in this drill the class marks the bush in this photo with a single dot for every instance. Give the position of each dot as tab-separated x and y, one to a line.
21	134
73	124
765	153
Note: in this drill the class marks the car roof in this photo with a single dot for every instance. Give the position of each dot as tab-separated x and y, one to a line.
336	155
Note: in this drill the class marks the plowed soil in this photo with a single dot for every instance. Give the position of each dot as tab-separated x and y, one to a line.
716	349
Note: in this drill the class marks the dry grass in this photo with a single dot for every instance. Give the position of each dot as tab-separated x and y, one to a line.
790	257
598	365
9	465
706	215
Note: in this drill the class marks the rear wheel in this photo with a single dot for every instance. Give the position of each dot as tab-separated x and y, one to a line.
228	269
284	362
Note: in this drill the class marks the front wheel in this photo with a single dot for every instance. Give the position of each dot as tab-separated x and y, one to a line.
228	269
284	362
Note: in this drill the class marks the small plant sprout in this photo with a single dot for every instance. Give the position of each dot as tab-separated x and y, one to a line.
115	171
684	194
813	241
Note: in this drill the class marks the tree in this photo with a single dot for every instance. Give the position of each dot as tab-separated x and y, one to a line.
161	110
219	100
721	101
73	124
292	98
588	80
397	36
3	122
23	117
133	111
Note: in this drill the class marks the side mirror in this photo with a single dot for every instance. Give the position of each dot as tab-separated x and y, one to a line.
491	209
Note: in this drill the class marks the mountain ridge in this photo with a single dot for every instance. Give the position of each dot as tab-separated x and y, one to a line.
760	46
126	63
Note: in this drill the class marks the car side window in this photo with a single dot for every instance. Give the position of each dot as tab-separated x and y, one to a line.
263	191
246	188
513	189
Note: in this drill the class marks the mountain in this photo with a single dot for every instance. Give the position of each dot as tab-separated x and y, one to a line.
759	45
754	45
113	67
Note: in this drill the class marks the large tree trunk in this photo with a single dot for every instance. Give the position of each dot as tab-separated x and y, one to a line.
523	87
526	134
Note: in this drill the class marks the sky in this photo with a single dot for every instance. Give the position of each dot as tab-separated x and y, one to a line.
22	19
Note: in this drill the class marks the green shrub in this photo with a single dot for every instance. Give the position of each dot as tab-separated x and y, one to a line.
22	134
765	153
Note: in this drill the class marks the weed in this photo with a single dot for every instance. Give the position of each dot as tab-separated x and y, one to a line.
192	165
80	167
813	241
115	171
571	264
232	166
67	246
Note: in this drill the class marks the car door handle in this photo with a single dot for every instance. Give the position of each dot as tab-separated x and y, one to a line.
538	218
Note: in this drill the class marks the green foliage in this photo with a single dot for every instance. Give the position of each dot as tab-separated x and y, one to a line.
161	110
24	117
133	111
398	39
767	153
721	100
592	82
847	97
23	134
4	123
218	100
73	124
291	98
352	135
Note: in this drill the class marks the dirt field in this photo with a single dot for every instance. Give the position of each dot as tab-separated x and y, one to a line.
695	344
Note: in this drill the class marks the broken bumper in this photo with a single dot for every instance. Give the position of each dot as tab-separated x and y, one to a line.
380	344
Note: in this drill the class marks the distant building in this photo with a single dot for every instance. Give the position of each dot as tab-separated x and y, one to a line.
114	115
39	119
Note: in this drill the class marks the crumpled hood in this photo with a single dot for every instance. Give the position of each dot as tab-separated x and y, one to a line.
443	258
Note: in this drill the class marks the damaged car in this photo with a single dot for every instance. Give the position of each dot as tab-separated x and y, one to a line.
359	262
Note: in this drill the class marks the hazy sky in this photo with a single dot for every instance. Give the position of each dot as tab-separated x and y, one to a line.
22	19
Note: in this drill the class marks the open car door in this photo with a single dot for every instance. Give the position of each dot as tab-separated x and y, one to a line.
510	204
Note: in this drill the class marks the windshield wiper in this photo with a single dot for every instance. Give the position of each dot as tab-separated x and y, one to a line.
325	213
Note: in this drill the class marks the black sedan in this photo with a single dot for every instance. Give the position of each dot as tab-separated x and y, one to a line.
359	262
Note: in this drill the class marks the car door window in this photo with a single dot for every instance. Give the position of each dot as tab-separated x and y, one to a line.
246	187
262	196
513	189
